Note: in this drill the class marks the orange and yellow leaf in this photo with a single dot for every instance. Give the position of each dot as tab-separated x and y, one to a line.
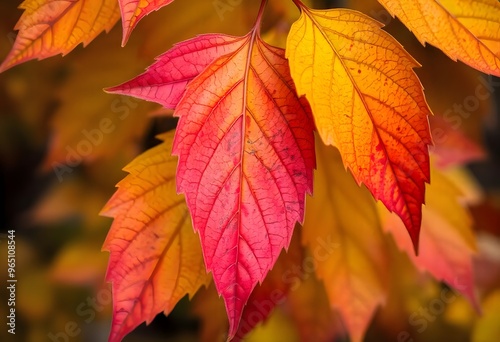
367	100
465	30
155	257
51	27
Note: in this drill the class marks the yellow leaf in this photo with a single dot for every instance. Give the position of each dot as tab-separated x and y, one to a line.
353	270
366	99
49	27
467	30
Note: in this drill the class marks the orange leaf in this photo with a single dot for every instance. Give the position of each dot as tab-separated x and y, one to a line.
354	271
448	242
155	258
367	100
50	27
134	10
467	30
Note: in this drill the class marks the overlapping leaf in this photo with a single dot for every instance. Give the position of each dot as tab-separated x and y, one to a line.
467	30
367	100
165	81
155	258
353	270
448	242
134	10
246	154
50	27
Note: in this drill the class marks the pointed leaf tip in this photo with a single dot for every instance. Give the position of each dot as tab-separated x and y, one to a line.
132	11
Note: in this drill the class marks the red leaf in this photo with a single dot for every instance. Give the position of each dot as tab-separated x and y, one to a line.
134	10
246	156
165	81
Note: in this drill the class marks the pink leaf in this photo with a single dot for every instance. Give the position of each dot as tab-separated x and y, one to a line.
246	157
165	81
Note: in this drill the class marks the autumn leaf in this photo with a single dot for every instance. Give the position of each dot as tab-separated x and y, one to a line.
367	100
155	258
448	243
165	81
465	30
353	271
51	27
246	155
134	10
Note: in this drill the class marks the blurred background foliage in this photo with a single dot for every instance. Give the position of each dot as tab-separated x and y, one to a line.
54	207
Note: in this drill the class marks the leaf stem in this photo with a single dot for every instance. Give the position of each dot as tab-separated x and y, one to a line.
299	4
259	14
